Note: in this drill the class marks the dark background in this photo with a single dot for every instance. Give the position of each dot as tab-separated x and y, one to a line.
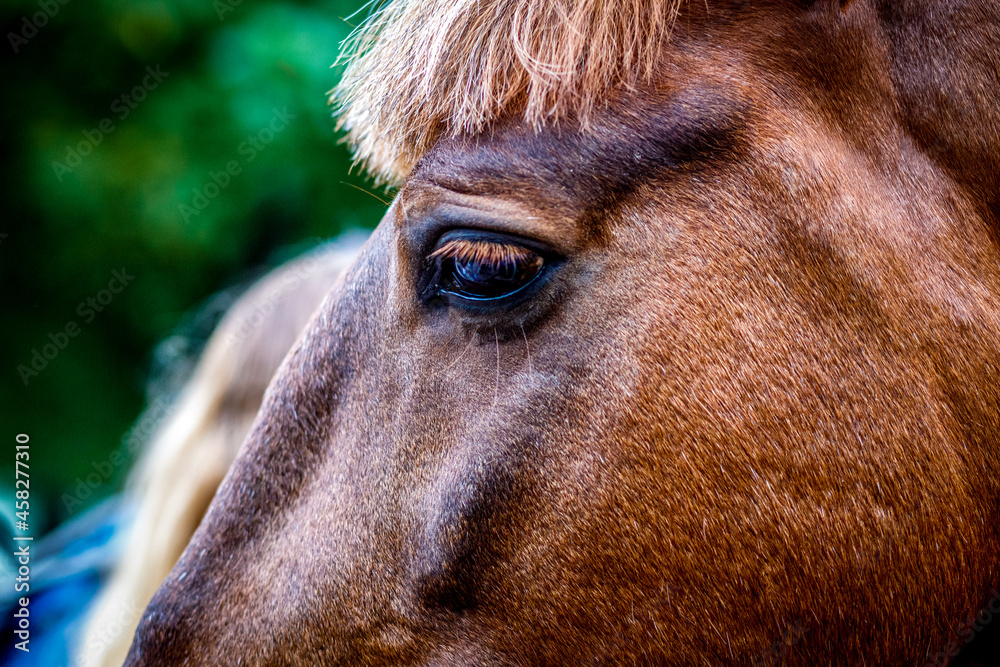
94	183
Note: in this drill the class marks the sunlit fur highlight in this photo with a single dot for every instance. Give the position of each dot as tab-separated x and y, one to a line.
420	69
191	451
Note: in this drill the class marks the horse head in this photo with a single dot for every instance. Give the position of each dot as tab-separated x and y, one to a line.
681	335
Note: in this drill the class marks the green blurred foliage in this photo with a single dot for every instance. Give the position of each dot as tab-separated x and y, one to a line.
99	159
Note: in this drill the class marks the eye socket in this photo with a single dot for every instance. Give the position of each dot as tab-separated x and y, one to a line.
484	270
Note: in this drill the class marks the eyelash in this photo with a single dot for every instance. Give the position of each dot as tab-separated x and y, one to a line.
482	251
481	272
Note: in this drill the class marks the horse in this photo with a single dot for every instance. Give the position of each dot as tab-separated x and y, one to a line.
679	344
199	435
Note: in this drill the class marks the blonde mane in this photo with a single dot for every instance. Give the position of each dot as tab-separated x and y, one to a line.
193	448
420	69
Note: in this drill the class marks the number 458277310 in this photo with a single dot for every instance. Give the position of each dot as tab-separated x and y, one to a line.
21	482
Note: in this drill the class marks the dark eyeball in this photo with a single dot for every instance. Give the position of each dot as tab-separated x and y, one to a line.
482	269
491	273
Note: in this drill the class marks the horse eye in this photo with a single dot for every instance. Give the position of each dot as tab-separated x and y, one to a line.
483	270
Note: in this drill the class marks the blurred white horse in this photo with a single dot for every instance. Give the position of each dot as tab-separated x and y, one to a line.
190	452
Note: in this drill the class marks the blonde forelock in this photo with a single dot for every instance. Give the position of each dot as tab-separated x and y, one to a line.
421	69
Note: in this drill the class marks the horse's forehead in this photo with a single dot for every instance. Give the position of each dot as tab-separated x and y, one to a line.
566	169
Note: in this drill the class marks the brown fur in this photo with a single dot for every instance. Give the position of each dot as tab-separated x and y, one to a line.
761	391
190	453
